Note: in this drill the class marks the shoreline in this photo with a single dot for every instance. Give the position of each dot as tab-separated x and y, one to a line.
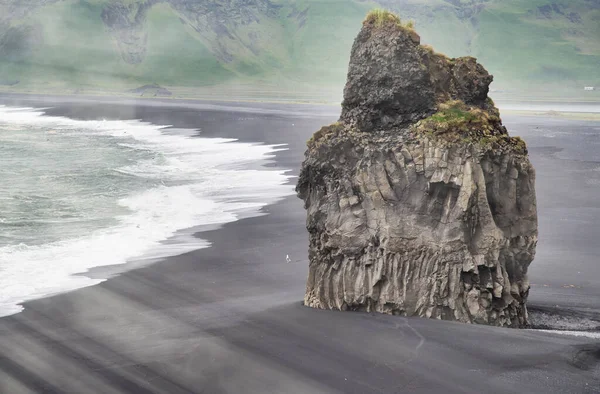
228	318
146	111
512	104
158	101
165	227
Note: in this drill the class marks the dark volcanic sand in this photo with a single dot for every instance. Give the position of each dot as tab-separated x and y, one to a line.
228	319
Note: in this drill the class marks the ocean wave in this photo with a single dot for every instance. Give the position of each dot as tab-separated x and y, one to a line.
191	181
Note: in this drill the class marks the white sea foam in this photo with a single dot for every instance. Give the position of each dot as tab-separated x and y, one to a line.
586	334
195	181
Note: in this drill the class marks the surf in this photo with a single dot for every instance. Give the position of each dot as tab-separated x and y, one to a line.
132	186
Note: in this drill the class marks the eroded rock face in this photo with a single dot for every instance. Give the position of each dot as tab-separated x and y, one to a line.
437	222
126	24
393	81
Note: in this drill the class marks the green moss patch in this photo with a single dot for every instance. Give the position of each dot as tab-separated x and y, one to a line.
457	122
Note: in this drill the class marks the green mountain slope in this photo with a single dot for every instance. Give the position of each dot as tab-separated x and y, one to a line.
286	45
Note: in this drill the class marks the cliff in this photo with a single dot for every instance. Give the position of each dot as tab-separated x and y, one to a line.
418	201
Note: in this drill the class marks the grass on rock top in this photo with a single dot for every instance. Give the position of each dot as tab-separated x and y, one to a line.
454	123
454	113
457	122
381	18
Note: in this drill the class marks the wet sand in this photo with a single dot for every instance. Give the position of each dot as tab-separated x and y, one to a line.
228	319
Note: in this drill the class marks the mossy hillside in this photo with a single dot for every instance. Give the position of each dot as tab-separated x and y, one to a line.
457	122
306	43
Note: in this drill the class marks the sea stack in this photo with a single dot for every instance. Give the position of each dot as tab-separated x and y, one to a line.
418	201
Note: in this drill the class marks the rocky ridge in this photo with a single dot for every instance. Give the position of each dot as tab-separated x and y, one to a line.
126	24
209	18
418	201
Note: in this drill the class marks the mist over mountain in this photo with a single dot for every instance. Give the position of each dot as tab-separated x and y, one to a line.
182	45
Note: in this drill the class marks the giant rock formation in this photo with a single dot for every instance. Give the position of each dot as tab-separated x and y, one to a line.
418	201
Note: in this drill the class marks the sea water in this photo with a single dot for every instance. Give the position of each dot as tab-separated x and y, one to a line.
80	194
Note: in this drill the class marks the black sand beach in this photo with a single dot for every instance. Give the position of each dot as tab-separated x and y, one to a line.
229	319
